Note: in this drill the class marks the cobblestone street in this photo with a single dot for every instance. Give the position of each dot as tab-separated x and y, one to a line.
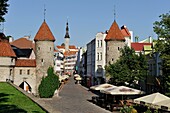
74	98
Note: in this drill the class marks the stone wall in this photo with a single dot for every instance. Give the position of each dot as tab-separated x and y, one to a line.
113	51
29	77
6	73
44	58
6	68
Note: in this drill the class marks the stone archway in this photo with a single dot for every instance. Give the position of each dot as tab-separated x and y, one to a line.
25	86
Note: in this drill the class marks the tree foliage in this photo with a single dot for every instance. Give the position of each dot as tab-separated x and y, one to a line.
162	29
3	9
48	84
130	68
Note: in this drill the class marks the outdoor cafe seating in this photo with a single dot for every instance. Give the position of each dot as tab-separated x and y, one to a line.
114	98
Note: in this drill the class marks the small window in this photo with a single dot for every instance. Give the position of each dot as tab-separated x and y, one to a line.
20	72
112	59
12	60
28	72
101	43
10	72
118	48
38	48
97	56
100	55
97	43
42	61
50	48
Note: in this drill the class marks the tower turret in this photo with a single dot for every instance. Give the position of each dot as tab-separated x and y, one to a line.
67	38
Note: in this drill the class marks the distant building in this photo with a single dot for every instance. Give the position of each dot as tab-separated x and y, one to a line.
58	62
144	48
69	52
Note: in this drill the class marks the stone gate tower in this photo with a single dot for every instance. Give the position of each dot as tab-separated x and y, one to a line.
44	51
114	42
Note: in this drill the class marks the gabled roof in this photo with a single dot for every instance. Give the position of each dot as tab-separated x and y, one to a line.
125	31
6	49
23	43
114	33
68	53
139	46
44	33
25	63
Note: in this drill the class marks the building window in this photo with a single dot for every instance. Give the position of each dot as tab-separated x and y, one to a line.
118	48
50	48
101	43
10	72
38	48
42	61
97	43
97	56
28	72
20	72
12	60
100	55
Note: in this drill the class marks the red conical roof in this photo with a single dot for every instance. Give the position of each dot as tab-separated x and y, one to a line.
114	33
44	33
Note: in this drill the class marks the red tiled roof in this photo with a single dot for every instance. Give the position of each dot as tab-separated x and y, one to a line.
139	46
6	49
70	47
44	33
23	43
125	31
68	53
114	33
25	63
56	50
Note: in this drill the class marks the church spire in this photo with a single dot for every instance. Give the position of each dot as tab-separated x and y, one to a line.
67	31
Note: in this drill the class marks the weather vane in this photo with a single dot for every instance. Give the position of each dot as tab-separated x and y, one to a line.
44	12
114	12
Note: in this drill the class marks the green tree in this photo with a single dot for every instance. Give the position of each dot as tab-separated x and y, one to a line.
128	69
162	29
48	84
3	9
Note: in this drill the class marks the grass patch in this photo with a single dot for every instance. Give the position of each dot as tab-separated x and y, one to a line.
13	101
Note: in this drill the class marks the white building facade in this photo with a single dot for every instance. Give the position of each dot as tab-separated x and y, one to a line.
96	52
58	62
100	54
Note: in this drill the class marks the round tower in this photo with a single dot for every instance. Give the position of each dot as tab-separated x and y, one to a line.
114	42
44	51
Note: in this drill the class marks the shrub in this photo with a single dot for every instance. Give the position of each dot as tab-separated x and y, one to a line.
48	84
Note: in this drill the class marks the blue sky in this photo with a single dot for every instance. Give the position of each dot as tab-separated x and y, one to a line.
86	17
